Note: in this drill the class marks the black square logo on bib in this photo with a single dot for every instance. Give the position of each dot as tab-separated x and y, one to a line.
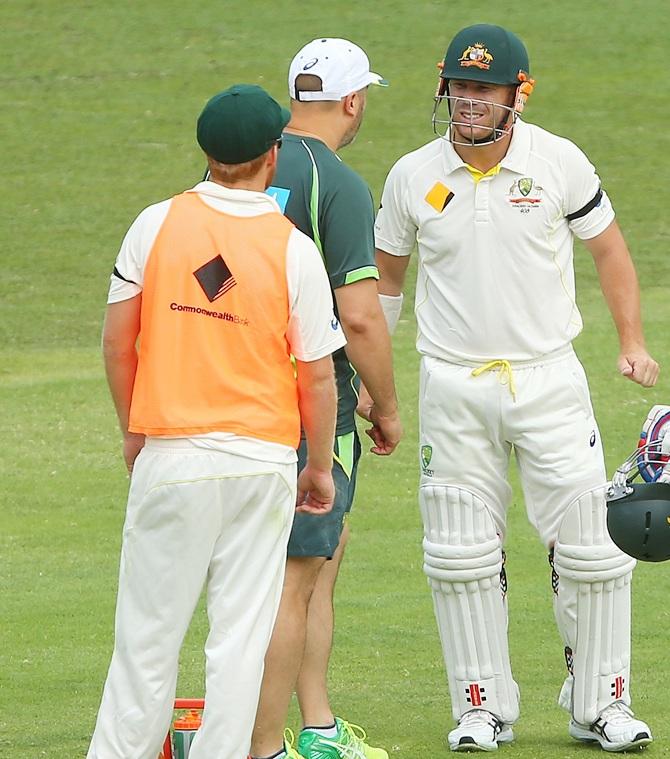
215	278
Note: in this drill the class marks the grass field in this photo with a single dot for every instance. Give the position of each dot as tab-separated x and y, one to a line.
98	104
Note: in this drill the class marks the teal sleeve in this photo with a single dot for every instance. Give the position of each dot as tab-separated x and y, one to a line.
346	229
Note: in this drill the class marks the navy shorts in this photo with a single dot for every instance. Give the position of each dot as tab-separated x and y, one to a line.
318	535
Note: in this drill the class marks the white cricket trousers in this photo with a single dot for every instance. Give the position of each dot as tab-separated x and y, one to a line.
542	409
195	516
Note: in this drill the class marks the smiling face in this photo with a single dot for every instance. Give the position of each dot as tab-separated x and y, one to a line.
480	112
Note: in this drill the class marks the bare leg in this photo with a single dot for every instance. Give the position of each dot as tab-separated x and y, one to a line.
312	688
284	655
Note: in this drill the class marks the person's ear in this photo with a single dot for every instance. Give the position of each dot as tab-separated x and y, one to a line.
271	164
273	155
349	103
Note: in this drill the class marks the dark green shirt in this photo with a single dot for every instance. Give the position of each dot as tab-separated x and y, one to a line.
330	203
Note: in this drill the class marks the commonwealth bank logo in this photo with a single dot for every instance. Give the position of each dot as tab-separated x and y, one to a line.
215	278
439	196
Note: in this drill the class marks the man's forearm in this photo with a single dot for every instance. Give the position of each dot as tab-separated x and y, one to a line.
120	369
317	399
368	343
618	282
620	288
119	348
369	350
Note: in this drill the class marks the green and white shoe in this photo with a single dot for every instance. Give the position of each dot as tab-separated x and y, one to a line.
349	743
289	740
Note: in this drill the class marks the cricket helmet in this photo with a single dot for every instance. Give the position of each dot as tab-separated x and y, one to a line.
639	521
486	53
638	514
489	54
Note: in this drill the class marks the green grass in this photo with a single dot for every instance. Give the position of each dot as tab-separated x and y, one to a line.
98	103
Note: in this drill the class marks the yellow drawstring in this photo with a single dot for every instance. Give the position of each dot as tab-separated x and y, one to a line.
505	374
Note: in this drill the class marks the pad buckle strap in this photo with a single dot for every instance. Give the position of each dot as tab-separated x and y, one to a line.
505	373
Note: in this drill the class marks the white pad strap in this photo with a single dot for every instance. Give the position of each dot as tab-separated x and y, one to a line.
592	608
391	306
463	560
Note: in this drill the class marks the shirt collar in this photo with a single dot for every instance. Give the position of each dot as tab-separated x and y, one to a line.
516	158
258	201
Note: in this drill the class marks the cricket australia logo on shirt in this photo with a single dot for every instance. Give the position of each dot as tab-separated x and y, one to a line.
426	456
215	278
525	194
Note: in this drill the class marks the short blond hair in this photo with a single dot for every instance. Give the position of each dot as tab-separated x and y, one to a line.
230	173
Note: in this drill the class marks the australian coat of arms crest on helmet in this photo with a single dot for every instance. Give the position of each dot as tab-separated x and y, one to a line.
476	55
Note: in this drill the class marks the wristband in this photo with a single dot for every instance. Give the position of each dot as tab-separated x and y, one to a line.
391	306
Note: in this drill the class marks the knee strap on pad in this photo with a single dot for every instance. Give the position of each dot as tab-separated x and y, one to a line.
446	563
592	608
463	560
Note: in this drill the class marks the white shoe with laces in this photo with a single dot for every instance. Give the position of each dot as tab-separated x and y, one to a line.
616	729
479	730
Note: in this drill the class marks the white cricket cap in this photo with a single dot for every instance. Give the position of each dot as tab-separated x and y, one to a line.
342	67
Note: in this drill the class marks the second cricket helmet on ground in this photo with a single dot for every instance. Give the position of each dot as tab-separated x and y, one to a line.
638	514
490	54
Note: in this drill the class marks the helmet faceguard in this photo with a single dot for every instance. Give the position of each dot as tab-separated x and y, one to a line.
503	118
481	53
651	459
638	514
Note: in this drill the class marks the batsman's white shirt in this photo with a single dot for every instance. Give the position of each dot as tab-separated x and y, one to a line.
496	284
495	276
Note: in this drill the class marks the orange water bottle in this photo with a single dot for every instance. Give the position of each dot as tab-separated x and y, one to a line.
183	732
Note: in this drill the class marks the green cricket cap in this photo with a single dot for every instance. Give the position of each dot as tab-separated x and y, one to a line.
240	124
486	53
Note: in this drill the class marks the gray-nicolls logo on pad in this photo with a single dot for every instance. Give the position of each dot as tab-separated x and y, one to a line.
215	278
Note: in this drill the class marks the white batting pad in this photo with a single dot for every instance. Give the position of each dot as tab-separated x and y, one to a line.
463	560
592	608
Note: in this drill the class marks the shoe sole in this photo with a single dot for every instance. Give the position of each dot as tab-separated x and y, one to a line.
468	747
467	744
637	743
